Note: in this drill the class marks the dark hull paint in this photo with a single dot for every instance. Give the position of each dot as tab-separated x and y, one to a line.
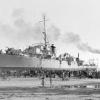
16	61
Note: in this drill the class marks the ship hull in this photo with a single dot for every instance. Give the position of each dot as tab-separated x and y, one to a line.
16	61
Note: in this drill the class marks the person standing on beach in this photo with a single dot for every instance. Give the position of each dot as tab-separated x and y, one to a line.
50	79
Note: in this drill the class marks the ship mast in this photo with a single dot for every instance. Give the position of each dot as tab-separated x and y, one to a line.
44	32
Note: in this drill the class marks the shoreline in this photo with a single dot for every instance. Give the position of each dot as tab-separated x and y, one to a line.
73	87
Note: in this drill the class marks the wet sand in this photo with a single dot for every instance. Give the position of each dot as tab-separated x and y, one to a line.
29	96
30	89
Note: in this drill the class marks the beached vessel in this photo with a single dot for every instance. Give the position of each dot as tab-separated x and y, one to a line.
41	56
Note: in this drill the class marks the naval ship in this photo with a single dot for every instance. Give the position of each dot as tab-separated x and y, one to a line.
41	56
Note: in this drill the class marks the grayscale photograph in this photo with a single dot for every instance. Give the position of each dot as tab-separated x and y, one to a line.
49	50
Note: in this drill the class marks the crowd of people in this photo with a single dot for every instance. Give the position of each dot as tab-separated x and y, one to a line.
63	74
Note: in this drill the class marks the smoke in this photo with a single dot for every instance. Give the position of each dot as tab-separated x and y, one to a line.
26	31
71	38
86	47
18	13
23	33
53	33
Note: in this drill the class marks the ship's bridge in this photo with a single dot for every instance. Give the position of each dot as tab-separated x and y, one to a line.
38	50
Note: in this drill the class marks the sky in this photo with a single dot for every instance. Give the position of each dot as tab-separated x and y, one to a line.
72	25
